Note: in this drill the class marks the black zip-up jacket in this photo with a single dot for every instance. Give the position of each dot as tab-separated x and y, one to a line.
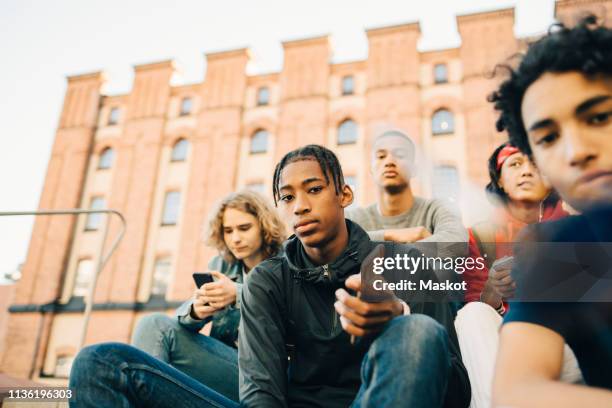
288	311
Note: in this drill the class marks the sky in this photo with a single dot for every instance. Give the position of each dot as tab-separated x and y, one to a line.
44	41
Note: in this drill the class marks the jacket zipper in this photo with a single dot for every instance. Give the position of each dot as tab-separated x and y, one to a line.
327	274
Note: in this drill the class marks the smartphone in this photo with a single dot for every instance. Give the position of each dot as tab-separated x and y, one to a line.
503	263
200	278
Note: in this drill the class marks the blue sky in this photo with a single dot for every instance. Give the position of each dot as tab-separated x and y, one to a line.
43	41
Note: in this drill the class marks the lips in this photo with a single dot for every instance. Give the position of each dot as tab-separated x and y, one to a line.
390	173
305	226
525	183
593	176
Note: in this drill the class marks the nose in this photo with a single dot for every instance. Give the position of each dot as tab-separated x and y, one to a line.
236	236
527	169
579	149
301	204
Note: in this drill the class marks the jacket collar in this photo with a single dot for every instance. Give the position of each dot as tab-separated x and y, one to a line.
336	272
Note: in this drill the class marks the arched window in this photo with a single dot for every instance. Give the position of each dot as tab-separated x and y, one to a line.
348	85
186	106
180	150
263	96
347	132
259	141
440	73
106	159
442	122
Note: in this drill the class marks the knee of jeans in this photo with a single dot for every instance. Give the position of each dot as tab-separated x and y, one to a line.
92	359
418	332
155	323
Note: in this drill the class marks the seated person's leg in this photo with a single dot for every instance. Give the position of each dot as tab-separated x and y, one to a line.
118	375
203	358
477	325
409	364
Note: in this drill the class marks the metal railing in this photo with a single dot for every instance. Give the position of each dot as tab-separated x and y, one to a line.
101	257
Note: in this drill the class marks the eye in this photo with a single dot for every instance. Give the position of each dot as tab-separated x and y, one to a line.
515	164
599	119
315	189
286	198
227	231
244	227
548	139
380	155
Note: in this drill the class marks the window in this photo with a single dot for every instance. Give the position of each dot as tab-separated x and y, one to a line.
186	105
113	116
94	219
161	277
263	96
180	150
446	183
347	132
442	122
106	159
171	208
257	187
348	85
63	365
84	275
440	74
259	141
352	182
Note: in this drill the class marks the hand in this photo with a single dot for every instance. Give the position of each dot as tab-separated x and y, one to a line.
221	292
501	282
200	309
360	318
407	235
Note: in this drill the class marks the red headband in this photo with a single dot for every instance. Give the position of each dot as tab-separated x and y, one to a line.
504	153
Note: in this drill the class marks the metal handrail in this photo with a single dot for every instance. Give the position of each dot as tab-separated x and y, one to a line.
100	256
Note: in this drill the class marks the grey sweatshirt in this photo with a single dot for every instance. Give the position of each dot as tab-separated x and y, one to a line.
444	224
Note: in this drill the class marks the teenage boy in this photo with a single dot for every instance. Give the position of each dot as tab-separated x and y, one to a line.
557	107
398	215
299	311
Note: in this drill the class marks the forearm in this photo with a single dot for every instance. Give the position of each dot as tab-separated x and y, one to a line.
541	392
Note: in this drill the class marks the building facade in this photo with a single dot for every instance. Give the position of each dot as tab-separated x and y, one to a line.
163	155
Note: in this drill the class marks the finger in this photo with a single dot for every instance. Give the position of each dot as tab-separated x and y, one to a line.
217	274
354	282
361	307
215	292
359	320
212	285
501	273
358	331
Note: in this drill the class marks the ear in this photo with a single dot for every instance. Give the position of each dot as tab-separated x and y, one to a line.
346	196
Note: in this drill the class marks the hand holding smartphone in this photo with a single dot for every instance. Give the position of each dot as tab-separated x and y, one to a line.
201	278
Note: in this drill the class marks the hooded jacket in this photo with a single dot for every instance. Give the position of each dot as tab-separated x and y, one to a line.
293	350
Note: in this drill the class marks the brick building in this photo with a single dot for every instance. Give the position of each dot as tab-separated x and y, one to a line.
162	155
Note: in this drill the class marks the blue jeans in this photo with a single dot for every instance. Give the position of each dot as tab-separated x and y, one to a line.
117	375
407	365
203	358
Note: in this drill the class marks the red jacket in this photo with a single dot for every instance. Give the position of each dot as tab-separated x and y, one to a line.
506	229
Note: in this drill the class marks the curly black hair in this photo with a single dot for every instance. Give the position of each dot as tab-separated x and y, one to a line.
493	189
585	48
330	166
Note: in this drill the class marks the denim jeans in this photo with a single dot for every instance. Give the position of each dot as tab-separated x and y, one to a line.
407	365
203	358
117	375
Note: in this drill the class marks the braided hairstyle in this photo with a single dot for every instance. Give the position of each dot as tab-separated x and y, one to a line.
330	166
585	48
